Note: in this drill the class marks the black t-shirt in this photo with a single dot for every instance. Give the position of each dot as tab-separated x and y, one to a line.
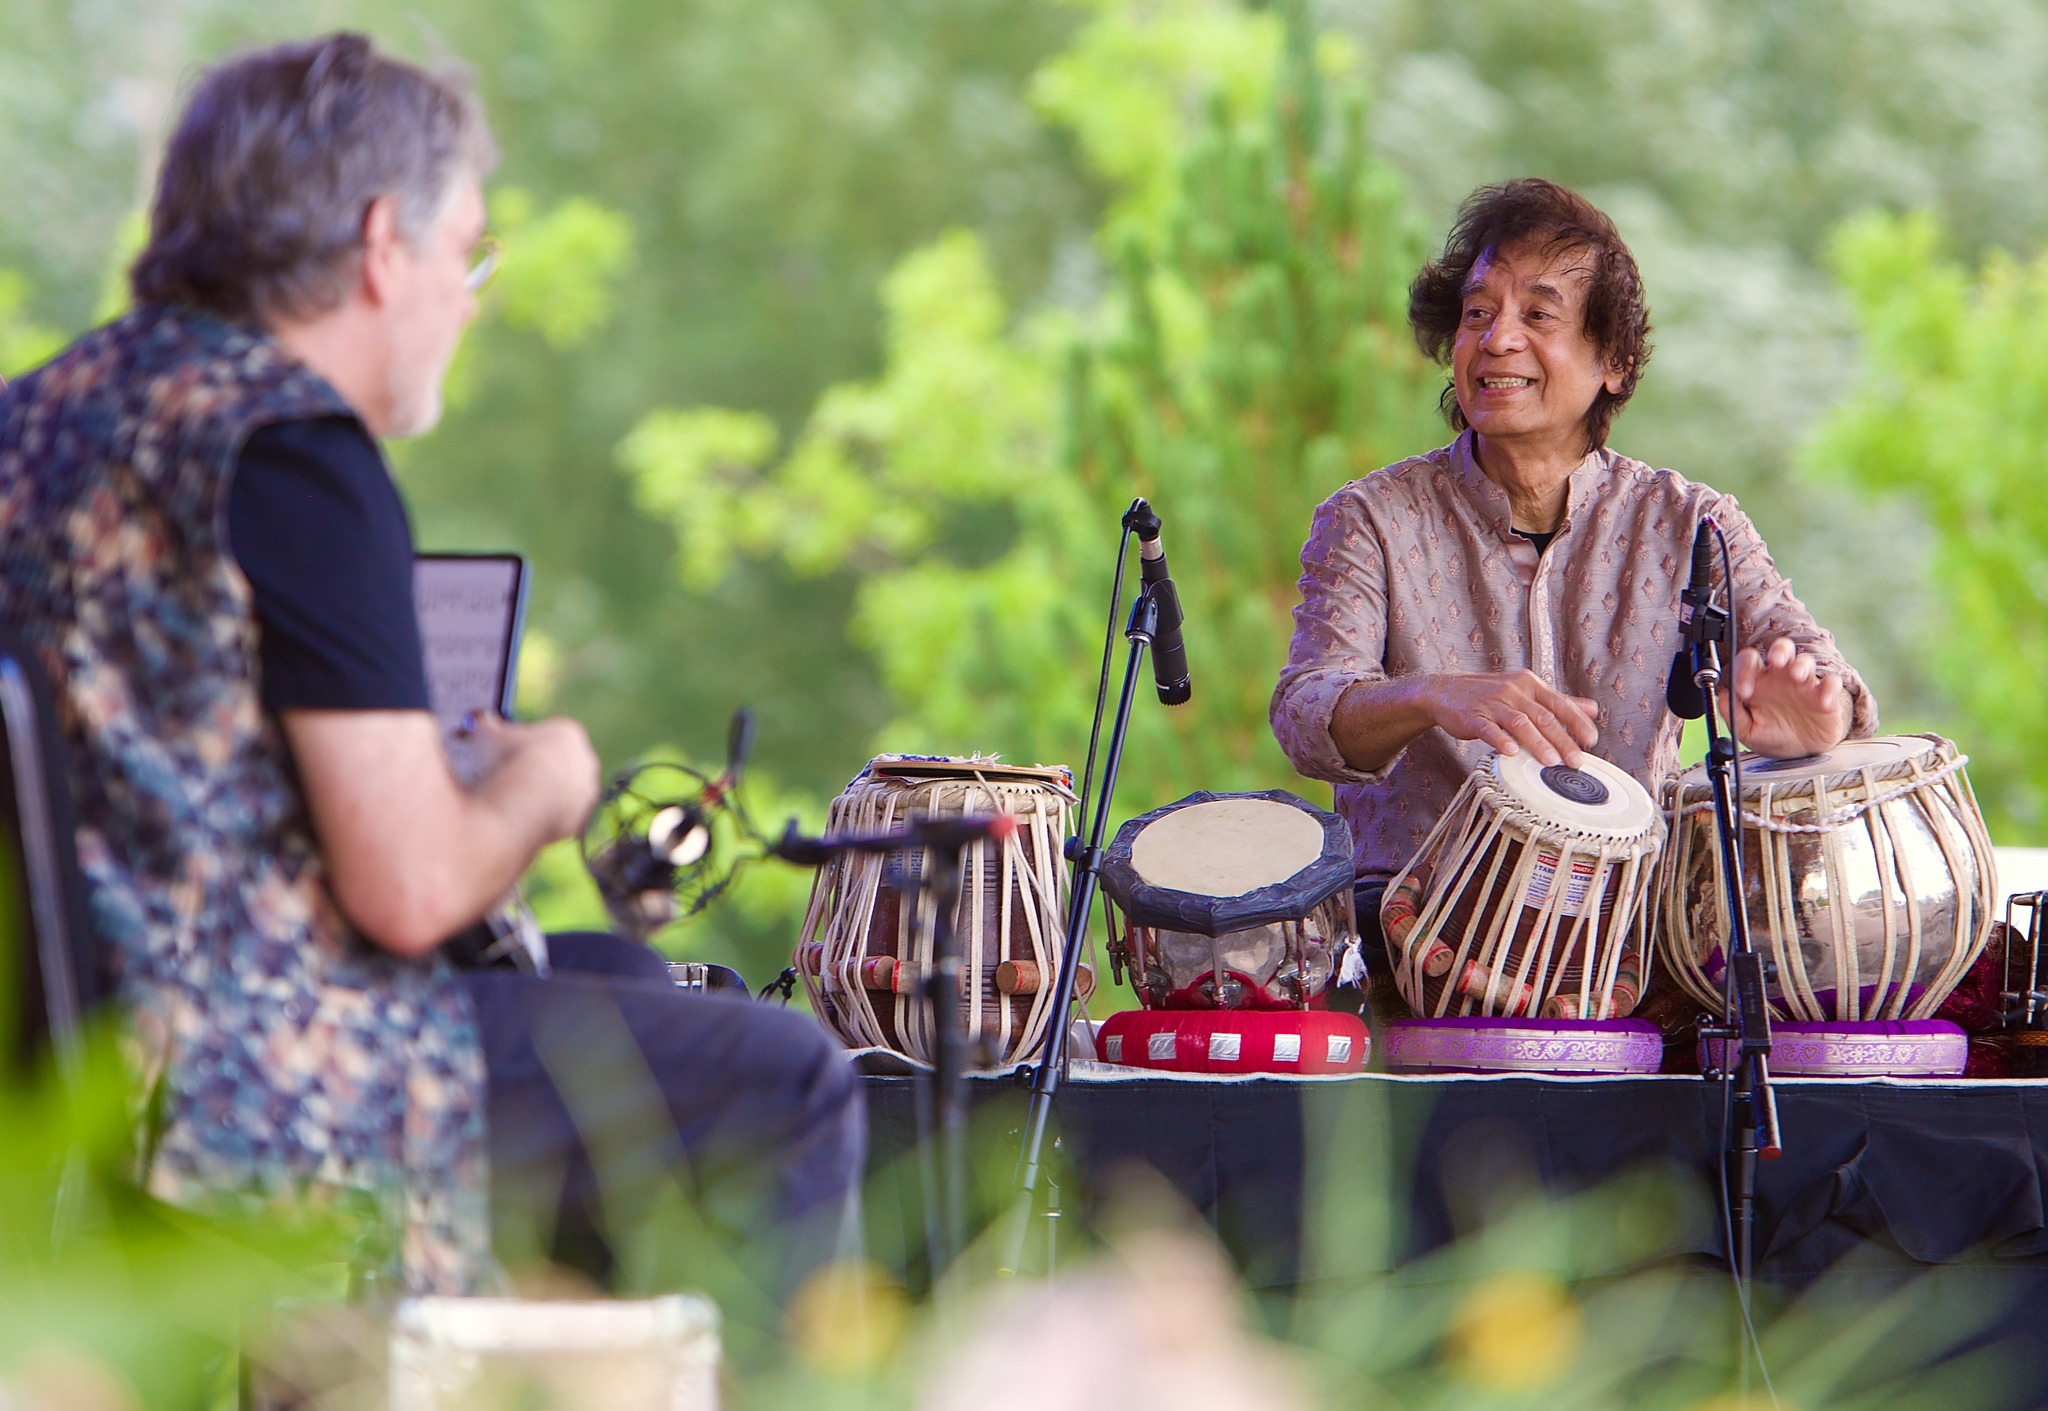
1541	541
321	534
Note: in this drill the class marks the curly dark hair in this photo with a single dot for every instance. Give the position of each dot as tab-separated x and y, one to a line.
1555	219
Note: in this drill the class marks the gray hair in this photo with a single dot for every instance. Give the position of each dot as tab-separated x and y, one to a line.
279	153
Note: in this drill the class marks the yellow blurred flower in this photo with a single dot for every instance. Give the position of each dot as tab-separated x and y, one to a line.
1516	1330
847	1317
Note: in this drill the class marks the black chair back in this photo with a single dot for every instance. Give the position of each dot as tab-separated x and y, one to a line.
48	951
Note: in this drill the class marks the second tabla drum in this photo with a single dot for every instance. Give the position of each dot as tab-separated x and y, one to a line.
1870	879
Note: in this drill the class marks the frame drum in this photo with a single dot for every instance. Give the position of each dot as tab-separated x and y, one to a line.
1870	879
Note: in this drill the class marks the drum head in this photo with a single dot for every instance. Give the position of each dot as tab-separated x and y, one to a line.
911	766
1226	847
1879	753
1219	863
1597	797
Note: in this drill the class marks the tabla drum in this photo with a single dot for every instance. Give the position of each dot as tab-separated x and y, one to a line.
1236	915
1870	879
863	955
1530	897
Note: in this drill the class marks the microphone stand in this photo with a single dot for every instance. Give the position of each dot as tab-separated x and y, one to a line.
948	1088
942	1097
1746	1016
1045	1085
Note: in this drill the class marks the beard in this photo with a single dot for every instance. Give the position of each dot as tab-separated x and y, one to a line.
415	408
418	368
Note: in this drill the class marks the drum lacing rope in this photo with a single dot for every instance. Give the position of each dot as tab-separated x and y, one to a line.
1911	784
1476	821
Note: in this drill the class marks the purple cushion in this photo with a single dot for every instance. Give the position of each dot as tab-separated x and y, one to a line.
1876	1048
1495	1045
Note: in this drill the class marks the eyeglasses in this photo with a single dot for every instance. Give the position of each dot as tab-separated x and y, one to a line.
485	265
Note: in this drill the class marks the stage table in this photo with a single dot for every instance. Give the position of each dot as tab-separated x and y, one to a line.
1895	1176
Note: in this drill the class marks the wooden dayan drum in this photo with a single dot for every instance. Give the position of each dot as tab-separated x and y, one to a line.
1870	878
863	954
1530	897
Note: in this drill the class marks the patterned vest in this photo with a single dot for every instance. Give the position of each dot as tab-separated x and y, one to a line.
292	1059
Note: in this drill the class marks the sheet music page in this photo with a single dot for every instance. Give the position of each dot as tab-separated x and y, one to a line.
469	611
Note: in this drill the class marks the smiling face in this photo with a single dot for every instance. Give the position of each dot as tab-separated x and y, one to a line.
1523	367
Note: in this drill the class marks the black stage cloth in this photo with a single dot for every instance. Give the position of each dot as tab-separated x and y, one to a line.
1890	1176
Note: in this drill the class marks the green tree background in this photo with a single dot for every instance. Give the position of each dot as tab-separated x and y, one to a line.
835	333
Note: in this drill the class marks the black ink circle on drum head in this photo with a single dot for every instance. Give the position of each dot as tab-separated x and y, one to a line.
1574	784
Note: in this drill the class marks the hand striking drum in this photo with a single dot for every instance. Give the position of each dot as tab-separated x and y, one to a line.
1530	897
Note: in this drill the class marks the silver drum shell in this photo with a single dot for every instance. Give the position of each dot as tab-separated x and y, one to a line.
1870	891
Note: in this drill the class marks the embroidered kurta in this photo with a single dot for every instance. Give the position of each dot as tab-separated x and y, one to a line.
1416	570
292	1058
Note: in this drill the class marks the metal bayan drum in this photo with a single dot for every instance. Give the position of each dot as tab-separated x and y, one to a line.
1530	897
1870	879
863	955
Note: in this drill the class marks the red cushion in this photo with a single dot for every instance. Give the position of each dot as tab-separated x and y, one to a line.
1235	1040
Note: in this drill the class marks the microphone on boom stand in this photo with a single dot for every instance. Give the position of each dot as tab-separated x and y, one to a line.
945	834
655	848
1155	627
942	989
1682	693
1169	652
1743	1029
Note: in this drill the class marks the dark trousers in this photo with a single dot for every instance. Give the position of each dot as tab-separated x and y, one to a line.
612	1093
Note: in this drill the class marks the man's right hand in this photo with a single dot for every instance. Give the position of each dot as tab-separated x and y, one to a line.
1515	710
1509	710
412	856
553	762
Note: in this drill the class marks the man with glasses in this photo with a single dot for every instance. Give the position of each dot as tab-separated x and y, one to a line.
199	535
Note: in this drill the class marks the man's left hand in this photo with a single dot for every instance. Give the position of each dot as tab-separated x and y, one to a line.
1784	705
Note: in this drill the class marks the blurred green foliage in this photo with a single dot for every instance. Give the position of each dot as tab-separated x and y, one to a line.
111	1299
937	285
1952	411
1250	355
1588	1301
23	343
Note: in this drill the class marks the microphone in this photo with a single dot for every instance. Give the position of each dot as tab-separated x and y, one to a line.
638	870
1682	694
1169	652
947	834
739	743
